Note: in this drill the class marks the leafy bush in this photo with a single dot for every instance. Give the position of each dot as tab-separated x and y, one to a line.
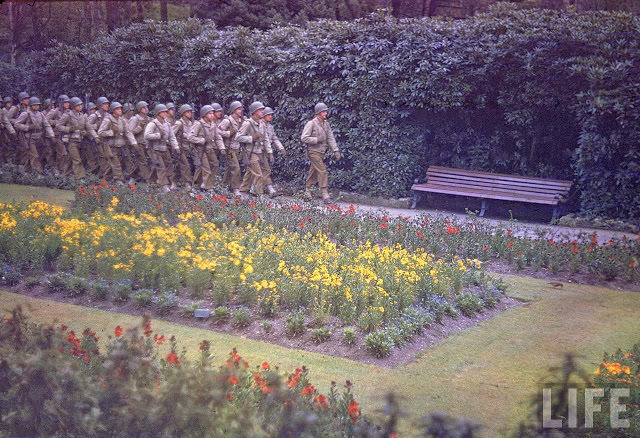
490	296
143	297
99	288
221	314
267	326
469	303
57	282
165	300
9	275
349	336
295	324
320	335
31	282
241	317
123	289
378	344
78	286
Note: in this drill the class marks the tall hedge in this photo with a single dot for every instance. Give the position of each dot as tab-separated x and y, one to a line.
532	92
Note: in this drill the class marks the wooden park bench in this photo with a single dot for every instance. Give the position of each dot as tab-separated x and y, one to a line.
487	185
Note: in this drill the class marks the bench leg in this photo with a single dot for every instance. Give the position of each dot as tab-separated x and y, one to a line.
484	207
416	198
557	211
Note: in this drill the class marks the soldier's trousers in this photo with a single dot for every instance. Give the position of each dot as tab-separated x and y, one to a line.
253	174
7	147
266	170
233	173
103	160
73	149
202	173
63	160
90	156
31	158
163	164
185	167
137	167
114	153
47	153
317	170
214	166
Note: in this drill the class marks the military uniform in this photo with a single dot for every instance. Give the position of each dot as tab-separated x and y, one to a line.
253	136
318	137
115	131
35	126
182	128
137	163
209	145
75	125
7	136
103	167
228	128
275	142
159	135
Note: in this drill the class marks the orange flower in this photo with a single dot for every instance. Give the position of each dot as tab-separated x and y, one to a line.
159	339
383	225
118	331
233	380
321	401
309	389
353	411
173	359
510	244
420	235
265	365
147	328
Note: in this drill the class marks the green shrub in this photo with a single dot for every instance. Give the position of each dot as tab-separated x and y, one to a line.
267	326
378	344
295	324
189	309
349	336
57	282
9	275
31	282
221	314
78	286
468	303
320	335
99	289
165	300
143	297
370	320
123	289
241	317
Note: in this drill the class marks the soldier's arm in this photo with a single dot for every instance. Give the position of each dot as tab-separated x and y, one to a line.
105	128
129	135
197	134
20	122
223	128
134	126
7	123
243	135
306	134
275	141
331	139
90	129
47	127
151	133
62	123
219	142
51	115
172	139
267	140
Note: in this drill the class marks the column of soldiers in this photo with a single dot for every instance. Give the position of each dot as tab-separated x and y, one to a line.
130	143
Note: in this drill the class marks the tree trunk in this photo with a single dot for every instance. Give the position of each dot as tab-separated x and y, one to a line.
425	8
433	5
88	20
113	15
164	13
140	11
395	8
15	26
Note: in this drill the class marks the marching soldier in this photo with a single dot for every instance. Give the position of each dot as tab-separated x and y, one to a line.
171	112
95	119
317	135
115	131
23	102
21	155
48	153
275	141
7	133
228	129
91	108
75	125
182	129
159	135
34	125
137	155
253	136
205	134
62	157
127	111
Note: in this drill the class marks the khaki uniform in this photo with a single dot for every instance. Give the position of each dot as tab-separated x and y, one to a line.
22	148
209	145
137	164
228	128
36	127
159	135
256	151
318	137
182	129
116	133
75	126
7	138
275	143
103	167
63	161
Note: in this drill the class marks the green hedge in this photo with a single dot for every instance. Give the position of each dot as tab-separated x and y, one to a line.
533	92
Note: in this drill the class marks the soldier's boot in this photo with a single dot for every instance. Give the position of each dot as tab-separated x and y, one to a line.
173	186
307	196
187	187
203	186
237	193
270	190
132	181
165	189
325	196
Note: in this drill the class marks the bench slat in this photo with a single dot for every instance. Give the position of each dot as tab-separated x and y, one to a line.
474	179
515	178
494	186
478	193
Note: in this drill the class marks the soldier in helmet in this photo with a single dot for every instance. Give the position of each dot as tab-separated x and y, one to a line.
13	114
182	129
138	164
318	137
7	133
128	111
47	148
159	135
91	108
47	105
171	112
253	136
228	129
23	102
275	142
102	109
75	125
115	132
209	144
35	126
62	157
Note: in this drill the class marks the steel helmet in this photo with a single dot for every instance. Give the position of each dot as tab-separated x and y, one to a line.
23	95
127	107
75	101
47	102
255	106
216	107
34	101
101	101
184	108
170	105
159	108
320	107
268	110
91	106
141	105
234	106
8	99
205	109
63	98
114	106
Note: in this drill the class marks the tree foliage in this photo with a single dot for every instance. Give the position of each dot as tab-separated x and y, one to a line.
533	92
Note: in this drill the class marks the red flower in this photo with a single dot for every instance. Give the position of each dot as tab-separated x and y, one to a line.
265	365
420	235
230	396
159	339
147	328
233	380
118	331
63	328
321	401
132	187
574	249
485	248
384	218
510	244
309	389
383	225
199	197
173	359
353	411
252	204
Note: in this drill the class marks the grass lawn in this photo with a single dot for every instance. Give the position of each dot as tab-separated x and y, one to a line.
486	373
19	193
